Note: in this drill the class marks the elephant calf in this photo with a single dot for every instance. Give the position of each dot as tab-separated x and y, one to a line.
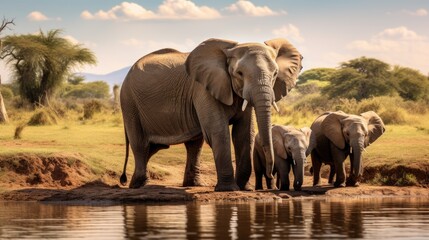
290	146
337	135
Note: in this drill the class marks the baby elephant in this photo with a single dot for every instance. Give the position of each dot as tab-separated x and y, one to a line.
337	135
290	145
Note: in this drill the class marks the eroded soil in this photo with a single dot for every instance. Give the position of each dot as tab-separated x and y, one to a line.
67	178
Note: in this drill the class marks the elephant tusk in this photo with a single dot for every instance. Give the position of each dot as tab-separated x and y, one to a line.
244	105
365	150
351	150
276	107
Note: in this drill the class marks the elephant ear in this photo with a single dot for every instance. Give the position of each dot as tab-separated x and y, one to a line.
307	133
289	62
278	142
207	64
332	128
375	126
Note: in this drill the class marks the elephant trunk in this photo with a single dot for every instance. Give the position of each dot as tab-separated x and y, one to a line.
356	173
262	99
298	170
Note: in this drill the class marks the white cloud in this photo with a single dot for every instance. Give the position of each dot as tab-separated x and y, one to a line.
247	8
71	39
186	9
289	31
169	9
37	16
396	46
419	12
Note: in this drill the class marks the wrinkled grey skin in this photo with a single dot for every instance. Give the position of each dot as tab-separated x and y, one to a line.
170	97
337	135
290	146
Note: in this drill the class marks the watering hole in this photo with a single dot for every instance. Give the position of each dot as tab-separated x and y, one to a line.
375	218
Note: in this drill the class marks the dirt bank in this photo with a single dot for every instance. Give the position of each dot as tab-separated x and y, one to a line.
67	178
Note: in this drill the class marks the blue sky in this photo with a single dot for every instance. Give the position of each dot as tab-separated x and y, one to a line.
326	32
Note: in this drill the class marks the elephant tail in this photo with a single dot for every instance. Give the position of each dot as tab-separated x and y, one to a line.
123	178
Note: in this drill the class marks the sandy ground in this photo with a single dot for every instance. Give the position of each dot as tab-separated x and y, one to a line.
101	192
65	179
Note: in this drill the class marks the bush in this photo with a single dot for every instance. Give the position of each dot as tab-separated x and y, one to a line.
314	103
42	116
90	108
7	93
394	116
371	104
18	130
98	89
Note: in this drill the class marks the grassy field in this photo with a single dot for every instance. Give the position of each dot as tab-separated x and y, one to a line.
100	144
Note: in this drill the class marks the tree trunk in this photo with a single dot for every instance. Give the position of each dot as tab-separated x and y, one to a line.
116	107
3	114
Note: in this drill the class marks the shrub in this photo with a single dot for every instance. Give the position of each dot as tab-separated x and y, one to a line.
371	104
42	116
18	131
315	103
7	93
394	116
90	108
98	89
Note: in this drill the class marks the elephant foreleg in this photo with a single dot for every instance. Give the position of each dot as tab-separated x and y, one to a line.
192	170
258	169
338	158
331	173
243	135
283	168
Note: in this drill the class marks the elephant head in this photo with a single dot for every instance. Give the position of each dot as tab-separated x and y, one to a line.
292	145
259	74
354	133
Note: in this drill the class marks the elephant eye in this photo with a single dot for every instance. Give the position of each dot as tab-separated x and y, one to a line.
275	73
240	73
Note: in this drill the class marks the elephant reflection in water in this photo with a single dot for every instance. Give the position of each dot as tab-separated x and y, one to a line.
337	217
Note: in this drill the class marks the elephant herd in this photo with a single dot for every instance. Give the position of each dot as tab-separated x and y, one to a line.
170	97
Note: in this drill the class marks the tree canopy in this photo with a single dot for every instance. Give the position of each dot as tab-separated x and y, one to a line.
320	74
359	79
363	78
42	61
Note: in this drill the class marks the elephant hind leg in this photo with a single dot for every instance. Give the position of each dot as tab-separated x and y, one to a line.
316	161
192	170
140	147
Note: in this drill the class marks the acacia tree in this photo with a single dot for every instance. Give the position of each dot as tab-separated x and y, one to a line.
3	113
360	78
42	62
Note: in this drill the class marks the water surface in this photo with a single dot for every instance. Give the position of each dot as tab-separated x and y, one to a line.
329	218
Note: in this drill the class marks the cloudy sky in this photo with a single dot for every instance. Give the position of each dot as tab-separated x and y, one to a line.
326	32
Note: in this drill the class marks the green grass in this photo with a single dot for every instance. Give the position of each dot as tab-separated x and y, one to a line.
100	143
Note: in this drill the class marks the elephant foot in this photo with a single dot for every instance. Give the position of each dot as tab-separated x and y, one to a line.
297	188
246	187
339	184
195	182
352	183
284	188
137	182
226	187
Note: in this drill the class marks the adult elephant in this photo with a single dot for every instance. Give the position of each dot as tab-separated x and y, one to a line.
337	135
170	97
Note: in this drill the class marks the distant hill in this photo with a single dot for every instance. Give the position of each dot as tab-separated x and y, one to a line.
116	77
